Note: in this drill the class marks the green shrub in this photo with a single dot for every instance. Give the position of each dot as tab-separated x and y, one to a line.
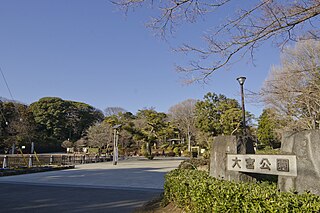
193	163
195	191
176	151
169	149
186	153
206	155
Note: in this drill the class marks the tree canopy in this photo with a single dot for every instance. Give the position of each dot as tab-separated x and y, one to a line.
217	114
64	119
53	123
17	124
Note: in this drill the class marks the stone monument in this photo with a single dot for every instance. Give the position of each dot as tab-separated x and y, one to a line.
306	146
297	168
220	148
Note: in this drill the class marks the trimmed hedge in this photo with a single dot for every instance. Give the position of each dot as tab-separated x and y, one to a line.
195	191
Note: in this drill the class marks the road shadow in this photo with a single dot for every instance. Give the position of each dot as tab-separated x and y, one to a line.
145	178
32	198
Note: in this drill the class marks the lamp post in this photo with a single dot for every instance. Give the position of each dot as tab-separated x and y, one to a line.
241	81
115	143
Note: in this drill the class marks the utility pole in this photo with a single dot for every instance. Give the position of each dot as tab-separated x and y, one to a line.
115	143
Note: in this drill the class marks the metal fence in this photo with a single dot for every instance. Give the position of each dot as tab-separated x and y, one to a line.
11	161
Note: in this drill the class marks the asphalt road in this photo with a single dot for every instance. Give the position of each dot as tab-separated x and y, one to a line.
100	187
47	199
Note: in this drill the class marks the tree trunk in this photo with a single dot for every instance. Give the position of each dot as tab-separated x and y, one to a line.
189	142
148	148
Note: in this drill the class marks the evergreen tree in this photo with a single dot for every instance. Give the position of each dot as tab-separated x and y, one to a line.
217	114
266	131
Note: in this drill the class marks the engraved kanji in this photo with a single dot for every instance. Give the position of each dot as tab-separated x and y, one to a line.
250	163
265	164
236	162
283	165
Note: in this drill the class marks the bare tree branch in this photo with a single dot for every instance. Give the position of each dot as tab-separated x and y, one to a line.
284	21
293	88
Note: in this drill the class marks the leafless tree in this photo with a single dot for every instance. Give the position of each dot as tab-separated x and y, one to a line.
81	143
109	111
293	88
252	24
183	115
66	144
100	135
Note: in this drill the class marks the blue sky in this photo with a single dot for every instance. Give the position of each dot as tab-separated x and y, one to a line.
89	51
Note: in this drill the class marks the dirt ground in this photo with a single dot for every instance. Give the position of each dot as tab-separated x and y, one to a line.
154	206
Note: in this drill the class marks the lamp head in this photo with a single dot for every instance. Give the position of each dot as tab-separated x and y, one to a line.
241	80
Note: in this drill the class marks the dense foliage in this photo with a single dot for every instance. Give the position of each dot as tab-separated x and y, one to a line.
47	122
217	114
17	124
267	129
53	123
64	119
195	191
152	128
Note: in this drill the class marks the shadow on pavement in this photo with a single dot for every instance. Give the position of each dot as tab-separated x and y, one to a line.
85	190
32	198
146	178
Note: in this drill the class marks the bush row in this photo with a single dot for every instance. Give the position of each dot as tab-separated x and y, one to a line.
195	191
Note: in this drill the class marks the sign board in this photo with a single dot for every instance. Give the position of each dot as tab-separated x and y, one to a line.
285	165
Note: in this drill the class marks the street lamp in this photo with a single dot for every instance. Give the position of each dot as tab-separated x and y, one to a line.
241	81
115	143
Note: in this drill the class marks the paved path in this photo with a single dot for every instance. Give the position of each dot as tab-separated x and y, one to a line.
100	187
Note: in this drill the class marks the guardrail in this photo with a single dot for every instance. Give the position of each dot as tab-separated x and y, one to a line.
11	161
